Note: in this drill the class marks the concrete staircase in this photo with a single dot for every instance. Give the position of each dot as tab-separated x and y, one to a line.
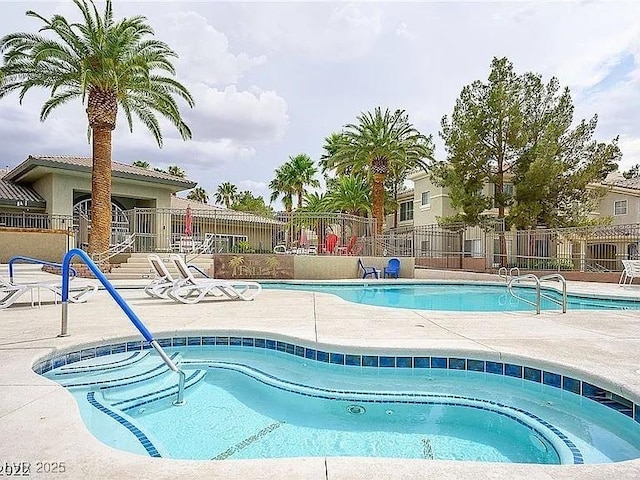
137	266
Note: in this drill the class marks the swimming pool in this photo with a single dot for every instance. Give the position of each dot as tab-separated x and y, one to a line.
253	397
455	296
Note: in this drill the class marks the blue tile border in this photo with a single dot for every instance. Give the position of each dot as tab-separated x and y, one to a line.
562	382
142	438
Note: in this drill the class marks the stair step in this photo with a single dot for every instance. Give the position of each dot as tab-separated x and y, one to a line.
149	397
120	381
89	366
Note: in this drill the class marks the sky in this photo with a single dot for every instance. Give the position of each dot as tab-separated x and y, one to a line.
273	80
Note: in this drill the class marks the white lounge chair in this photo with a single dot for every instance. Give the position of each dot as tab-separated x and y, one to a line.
163	281
631	270
190	289
10	292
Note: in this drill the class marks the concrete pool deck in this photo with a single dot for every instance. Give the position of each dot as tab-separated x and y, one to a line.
40	420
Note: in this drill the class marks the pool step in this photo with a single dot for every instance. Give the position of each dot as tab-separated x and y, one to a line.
145	398
123	379
90	366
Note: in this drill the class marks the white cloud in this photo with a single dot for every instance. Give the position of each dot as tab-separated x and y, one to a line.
244	116
259	189
204	55
403	31
317	31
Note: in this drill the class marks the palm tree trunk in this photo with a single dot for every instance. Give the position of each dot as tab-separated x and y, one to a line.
377	194
100	191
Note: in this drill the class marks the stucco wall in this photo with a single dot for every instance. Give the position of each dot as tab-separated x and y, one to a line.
311	267
57	189
41	244
319	267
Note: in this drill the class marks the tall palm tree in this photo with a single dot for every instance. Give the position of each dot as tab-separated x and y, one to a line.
373	144
283	185
303	173
226	194
106	64
198	194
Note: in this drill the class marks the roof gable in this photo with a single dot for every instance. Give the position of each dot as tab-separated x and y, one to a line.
84	164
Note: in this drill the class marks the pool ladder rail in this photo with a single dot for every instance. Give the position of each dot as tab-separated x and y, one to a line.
66	267
539	295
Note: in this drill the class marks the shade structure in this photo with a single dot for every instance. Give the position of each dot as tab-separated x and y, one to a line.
188	222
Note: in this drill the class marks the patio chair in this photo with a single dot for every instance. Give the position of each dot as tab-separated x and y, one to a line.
366	271
392	269
189	289
163	281
11	291
631	270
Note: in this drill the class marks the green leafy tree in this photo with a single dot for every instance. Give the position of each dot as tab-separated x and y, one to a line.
226	194
198	194
246	202
517	129
106	64
633	172
370	147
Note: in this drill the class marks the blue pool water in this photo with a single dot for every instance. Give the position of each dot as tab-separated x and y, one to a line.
250	402
455	297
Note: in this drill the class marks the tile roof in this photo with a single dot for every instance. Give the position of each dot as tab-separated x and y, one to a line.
204	209
12	194
85	163
631	183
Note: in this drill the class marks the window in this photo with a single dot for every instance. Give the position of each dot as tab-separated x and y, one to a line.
473	248
426	198
406	211
507	192
620	207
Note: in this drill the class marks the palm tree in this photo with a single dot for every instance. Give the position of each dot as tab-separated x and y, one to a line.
302	173
283	185
350	194
141	164
371	146
198	194
226	194
330	147
176	171
106	64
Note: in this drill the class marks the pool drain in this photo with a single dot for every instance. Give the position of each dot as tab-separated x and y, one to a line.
356	409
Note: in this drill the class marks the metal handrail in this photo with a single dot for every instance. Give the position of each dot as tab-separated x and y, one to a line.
539	294
510	274
125	308
116	249
504	275
22	259
198	269
528	276
562	280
